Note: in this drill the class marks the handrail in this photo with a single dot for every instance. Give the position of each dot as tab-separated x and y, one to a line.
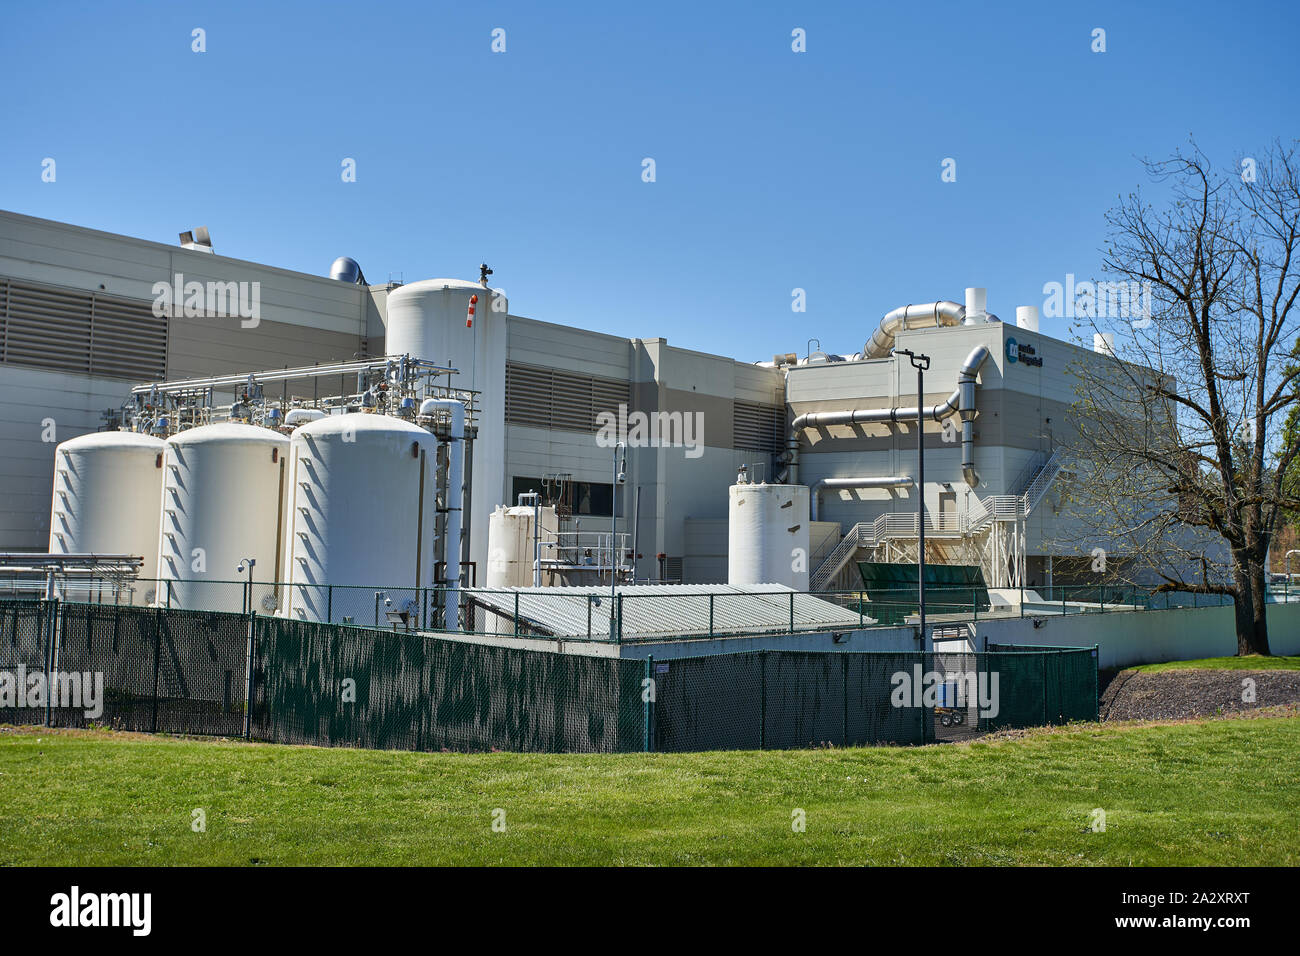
992	508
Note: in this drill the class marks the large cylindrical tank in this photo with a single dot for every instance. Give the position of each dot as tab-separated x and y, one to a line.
768	535
107	486
511	546
221	504
362	516
426	320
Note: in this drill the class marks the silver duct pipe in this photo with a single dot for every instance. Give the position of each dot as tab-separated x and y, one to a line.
894	481
911	317
961	401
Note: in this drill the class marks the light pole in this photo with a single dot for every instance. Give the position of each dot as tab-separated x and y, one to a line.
620	476
247	565
920	363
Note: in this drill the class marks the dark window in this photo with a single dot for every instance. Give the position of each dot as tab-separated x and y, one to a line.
572	497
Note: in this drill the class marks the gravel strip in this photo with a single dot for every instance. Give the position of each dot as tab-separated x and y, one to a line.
1173	695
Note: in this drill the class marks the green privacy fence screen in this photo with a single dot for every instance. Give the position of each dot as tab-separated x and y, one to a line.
891	589
282	681
361	687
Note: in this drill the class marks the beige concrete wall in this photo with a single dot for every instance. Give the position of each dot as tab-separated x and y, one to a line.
305	319
1145	637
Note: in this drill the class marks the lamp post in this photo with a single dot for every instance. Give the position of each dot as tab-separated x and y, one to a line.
920	363
247	565
620	476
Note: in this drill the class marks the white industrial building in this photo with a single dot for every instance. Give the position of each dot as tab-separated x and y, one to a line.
826	443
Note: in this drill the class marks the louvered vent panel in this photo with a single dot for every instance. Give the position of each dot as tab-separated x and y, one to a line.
758	427
129	340
48	328
555	398
72	331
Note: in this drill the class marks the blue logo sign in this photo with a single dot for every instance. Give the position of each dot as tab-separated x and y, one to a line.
1025	354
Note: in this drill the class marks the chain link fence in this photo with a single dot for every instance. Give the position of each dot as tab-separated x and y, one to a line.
270	679
427	608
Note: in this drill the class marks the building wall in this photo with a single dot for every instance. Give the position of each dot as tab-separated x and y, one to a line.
1144	637
676	483
1022	418
30	400
305	319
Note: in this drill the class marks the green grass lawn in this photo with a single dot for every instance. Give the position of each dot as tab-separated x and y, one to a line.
1254	662
1212	792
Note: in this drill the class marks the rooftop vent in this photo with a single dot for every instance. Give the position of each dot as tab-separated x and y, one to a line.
346	269
198	240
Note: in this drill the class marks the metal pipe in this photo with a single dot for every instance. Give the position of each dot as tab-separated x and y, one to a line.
893	481
961	402
281	374
930	314
455	503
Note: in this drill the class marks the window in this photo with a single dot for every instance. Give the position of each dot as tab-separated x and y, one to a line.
578	498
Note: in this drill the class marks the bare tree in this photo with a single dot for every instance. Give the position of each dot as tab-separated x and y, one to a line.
1181	461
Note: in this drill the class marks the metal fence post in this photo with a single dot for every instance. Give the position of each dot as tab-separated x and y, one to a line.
1096	688
1043	656
620	618
927	715
248	679
516	614
845	741
791	612
762	701
49	623
710	614
329	604
647	696
157	664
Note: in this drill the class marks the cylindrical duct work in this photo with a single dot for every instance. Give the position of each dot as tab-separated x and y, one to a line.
223	487
107	486
768	535
976	302
301	416
362	507
1027	317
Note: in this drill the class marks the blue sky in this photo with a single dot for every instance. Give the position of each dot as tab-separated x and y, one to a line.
775	170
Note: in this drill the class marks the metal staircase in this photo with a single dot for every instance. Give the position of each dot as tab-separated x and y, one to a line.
1012	509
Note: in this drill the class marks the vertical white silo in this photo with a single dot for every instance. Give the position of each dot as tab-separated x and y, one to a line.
427	320
221	504
362	512
106	491
511	546
768	535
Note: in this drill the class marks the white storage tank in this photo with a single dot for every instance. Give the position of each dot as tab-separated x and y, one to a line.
362	512
107	486
768	535
510	545
221	503
426	320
